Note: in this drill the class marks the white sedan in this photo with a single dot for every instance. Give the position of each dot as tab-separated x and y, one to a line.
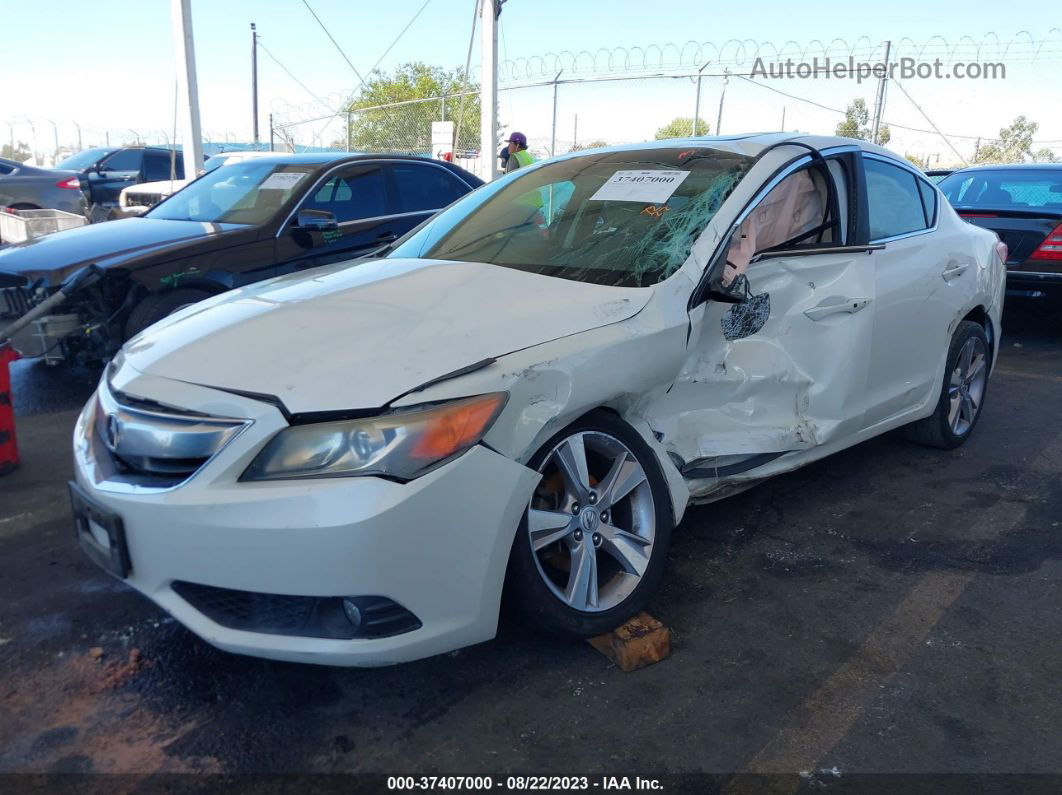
346	466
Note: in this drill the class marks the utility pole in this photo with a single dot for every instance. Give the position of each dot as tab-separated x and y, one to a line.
272	137
254	82
350	131
977	149
722	96
55	132
79	147
697	102
575	133
783	118
879	104
187	87
488	89
553	134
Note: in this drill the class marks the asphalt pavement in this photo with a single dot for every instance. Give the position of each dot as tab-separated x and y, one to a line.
891	609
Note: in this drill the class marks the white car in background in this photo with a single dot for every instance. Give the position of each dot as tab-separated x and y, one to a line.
138	199
346	466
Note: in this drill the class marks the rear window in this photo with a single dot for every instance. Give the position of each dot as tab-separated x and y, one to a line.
1000	188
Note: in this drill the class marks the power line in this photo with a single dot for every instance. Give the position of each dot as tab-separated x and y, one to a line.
288	72
334	42
926	117
399	36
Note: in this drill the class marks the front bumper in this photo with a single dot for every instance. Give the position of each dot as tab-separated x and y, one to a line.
438	545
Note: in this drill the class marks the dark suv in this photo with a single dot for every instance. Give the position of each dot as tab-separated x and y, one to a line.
105	171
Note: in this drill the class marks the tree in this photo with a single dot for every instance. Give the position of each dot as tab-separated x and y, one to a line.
681	127
1044	155
597	144
21	153
855	124
407	128
1013	146
916	161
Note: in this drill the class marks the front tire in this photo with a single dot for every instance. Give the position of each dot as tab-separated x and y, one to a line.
962	394
156	306
592	546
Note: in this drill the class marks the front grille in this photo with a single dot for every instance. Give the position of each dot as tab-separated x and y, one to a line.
16	301
301	616
155	445
142	199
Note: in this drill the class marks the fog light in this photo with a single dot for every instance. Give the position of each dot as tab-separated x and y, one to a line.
351	611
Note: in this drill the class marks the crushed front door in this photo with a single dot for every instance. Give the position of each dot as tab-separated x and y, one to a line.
784	370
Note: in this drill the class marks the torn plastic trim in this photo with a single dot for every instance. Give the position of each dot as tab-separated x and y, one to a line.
702	469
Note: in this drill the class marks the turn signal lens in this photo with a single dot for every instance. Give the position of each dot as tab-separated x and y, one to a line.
456	427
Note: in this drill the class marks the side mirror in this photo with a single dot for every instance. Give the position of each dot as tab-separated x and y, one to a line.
737	292
316	220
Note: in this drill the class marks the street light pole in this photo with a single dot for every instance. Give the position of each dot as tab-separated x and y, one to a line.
254	83
697	103
879	105
187	87
553	134
488	89
722	96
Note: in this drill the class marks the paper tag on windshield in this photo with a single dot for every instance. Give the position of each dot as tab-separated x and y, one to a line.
654	187
282	180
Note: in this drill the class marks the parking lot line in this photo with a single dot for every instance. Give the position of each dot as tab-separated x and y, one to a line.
815	727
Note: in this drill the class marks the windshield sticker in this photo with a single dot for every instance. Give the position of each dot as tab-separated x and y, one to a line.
282	180
656	211
653	186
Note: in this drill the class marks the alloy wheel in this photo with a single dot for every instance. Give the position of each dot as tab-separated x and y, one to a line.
592	521
966	387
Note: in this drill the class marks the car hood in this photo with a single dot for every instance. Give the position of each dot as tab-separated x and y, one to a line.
357	337
166	186
109	244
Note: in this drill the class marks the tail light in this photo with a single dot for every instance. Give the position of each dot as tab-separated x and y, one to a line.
1002	251
1051	247
73	183
978	215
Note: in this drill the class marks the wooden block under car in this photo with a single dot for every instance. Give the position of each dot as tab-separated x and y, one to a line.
640	642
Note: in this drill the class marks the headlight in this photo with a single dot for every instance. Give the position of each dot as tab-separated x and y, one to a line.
400	445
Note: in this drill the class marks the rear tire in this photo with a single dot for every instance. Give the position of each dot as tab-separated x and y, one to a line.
962	395
159	305
579	575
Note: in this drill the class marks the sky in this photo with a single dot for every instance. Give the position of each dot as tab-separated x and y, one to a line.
109	67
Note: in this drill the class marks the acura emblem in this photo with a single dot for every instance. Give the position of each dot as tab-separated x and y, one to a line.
114	431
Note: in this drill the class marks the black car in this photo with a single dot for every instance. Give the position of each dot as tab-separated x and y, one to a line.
233	226
1023	205
105	171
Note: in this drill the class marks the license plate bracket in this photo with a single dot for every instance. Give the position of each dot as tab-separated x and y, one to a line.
100	533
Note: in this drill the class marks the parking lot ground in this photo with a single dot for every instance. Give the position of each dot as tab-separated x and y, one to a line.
892	609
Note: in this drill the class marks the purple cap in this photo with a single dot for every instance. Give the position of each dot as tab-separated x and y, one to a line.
517	138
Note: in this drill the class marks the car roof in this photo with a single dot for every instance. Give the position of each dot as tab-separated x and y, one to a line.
330	158
1011	167
750	144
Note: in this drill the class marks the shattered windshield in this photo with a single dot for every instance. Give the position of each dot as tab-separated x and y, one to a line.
616	218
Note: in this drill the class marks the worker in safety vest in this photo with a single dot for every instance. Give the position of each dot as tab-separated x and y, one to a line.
518	154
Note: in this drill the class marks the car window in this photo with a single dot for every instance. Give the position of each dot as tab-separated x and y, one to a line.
6	169
243	193
81	160
894	200
929	201
124	160
353	193
629	218
157	166
424	187
794	213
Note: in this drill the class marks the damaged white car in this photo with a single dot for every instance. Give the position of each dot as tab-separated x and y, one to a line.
347	466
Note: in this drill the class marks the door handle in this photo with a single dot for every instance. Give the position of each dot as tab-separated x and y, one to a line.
386	237
836	306
954	270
